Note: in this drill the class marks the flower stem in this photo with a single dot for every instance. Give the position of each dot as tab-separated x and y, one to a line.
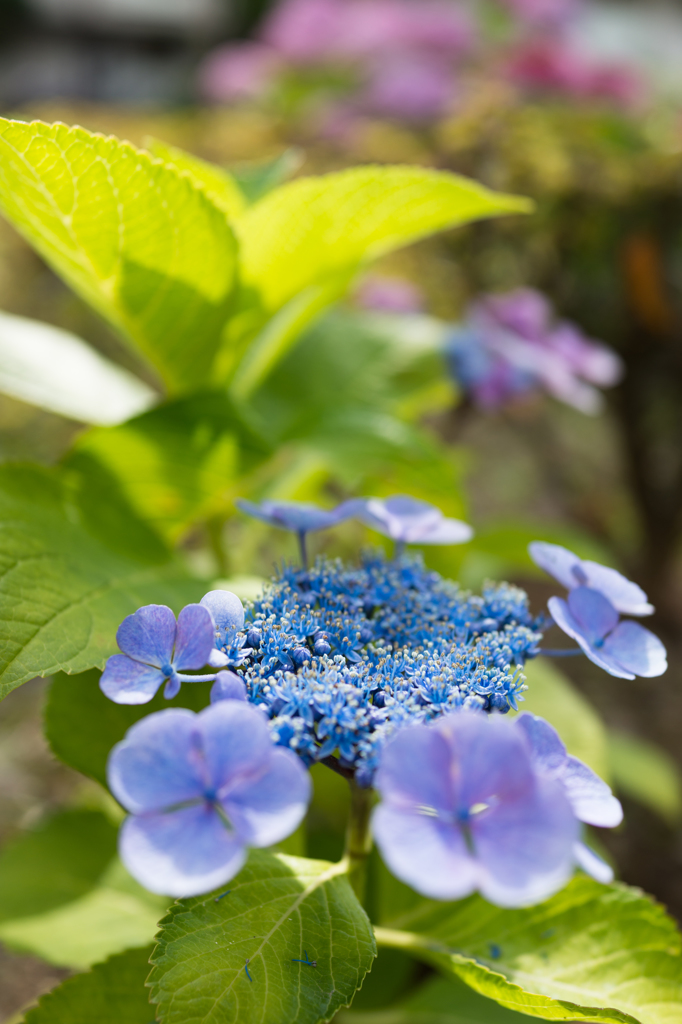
560	652
358	838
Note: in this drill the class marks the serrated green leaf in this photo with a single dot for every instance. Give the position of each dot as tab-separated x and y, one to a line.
116	914
75	702
646	773
63	592
277	908
132	235
178	463
257	178
111	993
55	864
218	184
55	370
592	952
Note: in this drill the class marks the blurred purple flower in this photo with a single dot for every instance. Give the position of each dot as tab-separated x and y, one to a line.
551	62
390	294
298	516
463	809
304	30
156	648
409	85
407	520
624	649
238	71
590	797
508	346
626	597
544	12
200	789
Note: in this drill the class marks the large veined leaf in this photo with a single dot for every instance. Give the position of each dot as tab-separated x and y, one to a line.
278	908
175	464
132	235
111	993
56	370
592	952
64	591
218	184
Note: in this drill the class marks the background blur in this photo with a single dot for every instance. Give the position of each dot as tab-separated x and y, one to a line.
576	104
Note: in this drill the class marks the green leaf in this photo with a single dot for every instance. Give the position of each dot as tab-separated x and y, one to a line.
75	702
111	993
178	463
219	185
132	235
63	591
592	952
278	908
552	696
55	864
646	773
257	178
55	370
117	914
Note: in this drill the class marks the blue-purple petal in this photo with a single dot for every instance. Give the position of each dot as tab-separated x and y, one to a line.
236	744
626	597
557	562
298	516
547	749
636	649
447	531
562	616
590	797
226	610
148	635
129	682
195	638
184	853
593	865
158	764
228	686
415	770
268	808
594	613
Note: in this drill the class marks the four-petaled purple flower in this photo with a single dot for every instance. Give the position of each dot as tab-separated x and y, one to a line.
625	596
156	648
200	790
407	520
464	809
298	516
624	649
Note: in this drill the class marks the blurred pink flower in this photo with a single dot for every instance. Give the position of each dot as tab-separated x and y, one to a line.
543	12
552	63
304	30
389	294
409	86
238	71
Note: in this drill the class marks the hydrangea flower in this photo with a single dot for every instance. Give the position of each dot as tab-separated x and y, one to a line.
463	809
200	789
389	294
622	648
298	516
625	596
407	520
509	346
156	648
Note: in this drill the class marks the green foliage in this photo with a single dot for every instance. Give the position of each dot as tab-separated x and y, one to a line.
592	952
75	702
257	178
55	864
175	464
278	907
218	184
133	236
111	993
646	773
64	591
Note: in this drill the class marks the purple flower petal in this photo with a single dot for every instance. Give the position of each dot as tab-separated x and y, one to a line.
227	611
399	778
524	846
592	865
195	638
425	853
625	596
547	749
557	562
158	764
590	797
298	516
228	686
148	635
448	531
636	649
217	659
266	809
562	616
236	744
129	682
188	852
593	612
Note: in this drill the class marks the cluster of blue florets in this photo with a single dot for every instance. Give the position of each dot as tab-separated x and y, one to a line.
340	657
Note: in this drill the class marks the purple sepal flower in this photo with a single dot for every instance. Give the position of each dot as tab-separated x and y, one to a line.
464	809
200	789
297	516
624	649
227	613
228	686
407	520
625	596
156	648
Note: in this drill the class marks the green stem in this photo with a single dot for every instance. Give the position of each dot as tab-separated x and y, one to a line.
358	838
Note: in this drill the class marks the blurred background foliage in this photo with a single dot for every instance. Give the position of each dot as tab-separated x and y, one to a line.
583	115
